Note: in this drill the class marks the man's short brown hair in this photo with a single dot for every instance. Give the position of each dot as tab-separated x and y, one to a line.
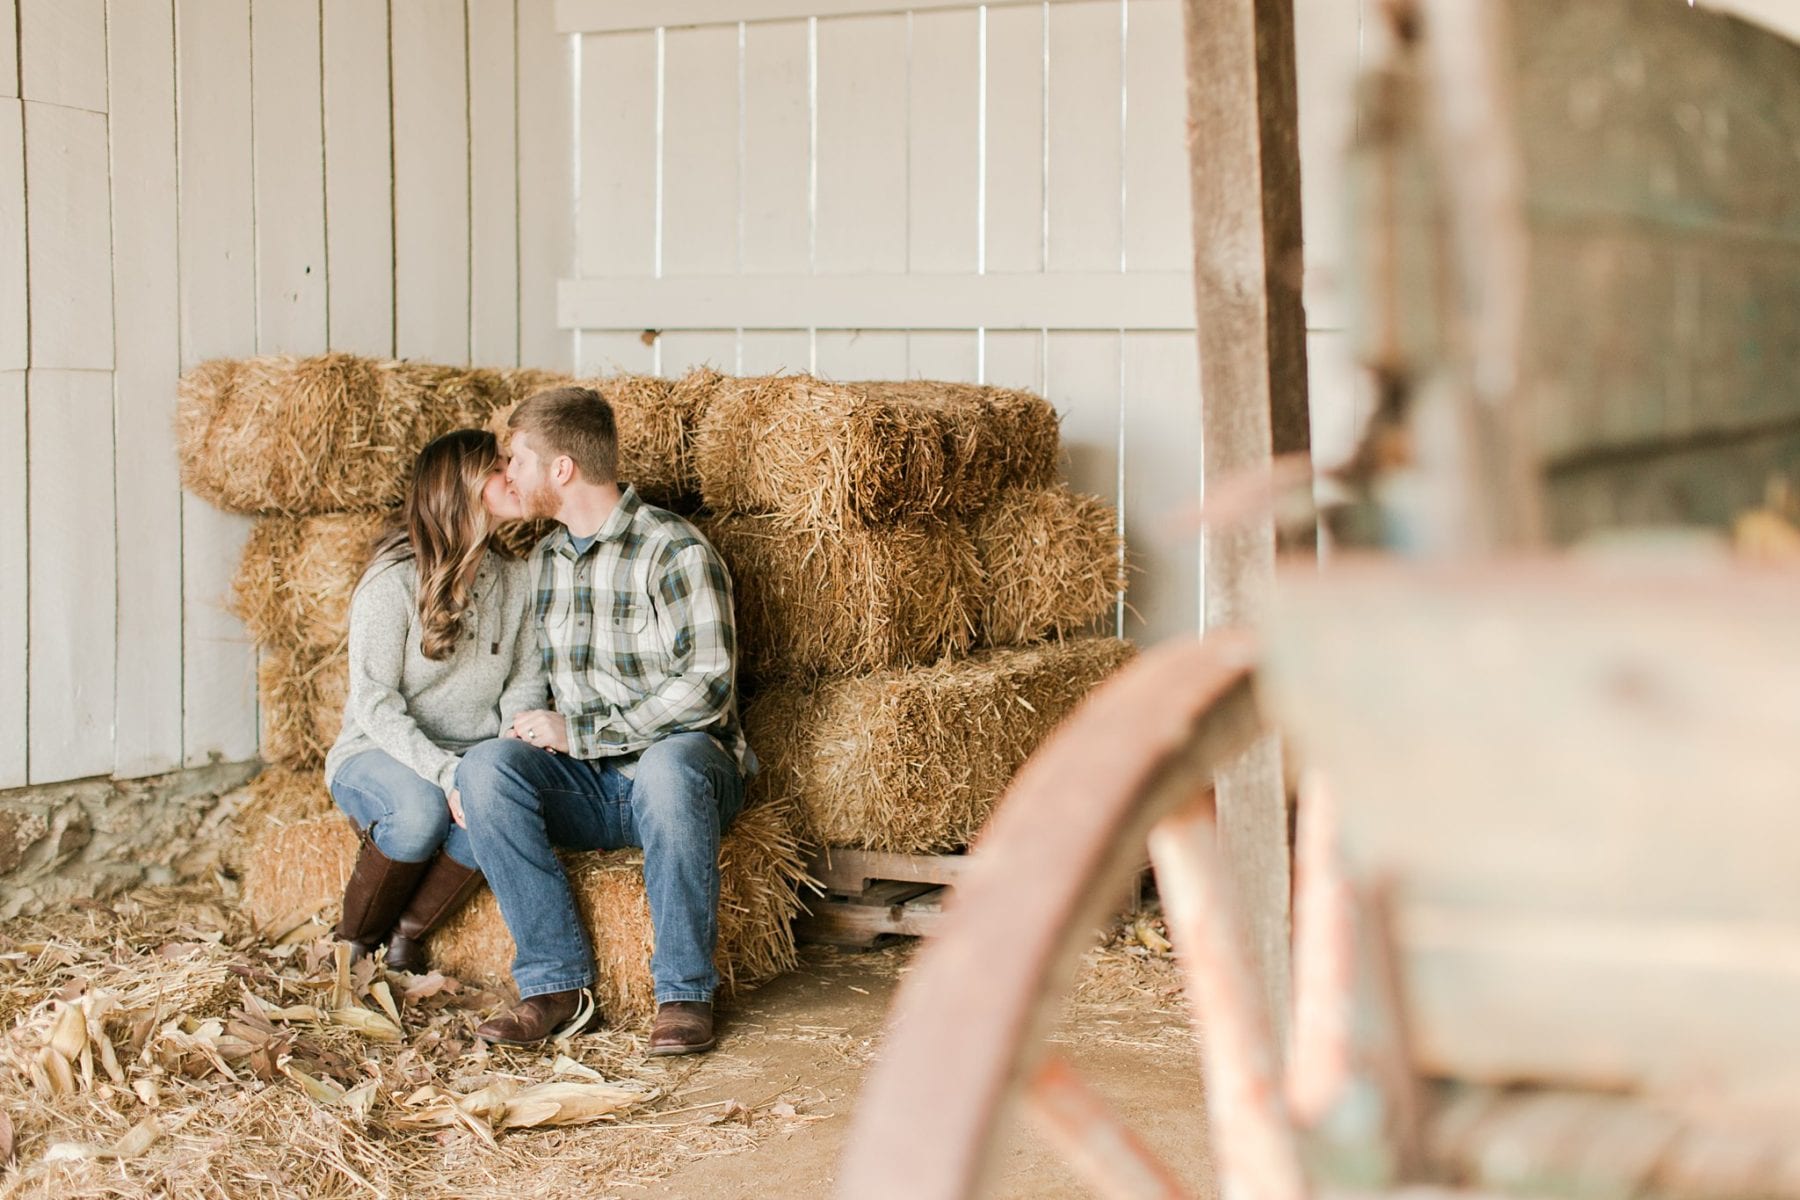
575	421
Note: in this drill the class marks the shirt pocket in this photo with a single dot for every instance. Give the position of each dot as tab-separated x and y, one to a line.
626	620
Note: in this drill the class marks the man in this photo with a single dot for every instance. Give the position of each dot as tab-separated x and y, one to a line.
645	749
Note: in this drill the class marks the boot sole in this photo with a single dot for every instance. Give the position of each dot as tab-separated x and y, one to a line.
669	1051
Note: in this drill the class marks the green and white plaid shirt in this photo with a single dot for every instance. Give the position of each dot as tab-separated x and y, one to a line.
637	635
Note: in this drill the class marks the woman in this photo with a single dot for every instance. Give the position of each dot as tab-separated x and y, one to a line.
442	656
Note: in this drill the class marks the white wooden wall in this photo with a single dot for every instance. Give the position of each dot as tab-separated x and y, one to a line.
993	193
183	179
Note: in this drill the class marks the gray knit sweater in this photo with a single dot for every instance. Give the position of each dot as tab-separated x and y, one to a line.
425	713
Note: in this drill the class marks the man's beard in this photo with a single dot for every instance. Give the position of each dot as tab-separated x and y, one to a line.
540	503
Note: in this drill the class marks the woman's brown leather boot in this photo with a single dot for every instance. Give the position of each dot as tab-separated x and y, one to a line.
379	888
446	886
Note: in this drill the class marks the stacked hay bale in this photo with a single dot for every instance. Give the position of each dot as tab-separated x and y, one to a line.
320	451
916	595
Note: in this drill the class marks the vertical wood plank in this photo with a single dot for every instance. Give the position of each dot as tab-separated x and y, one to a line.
848	354
617	223
1162	485
1086	151
944	166
861	216
777	148
605	353
9	48
431	181
1015	139
493	185
69	440
943	355
546	183
1159	226
147	487
1082	380
359	197
700	151
1245	180
682	351
1015	359
14	340
944	171
1326	52
14	610
774	352
289	152
62	51
216	248
68	237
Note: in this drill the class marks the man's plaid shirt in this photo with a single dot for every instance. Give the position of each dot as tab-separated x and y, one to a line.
637	635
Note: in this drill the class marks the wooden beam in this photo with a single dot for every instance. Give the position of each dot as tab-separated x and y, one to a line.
1244	158
1110	300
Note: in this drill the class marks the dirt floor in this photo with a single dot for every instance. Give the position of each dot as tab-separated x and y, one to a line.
154	1045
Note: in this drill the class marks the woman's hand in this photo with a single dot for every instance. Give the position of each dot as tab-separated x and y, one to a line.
543	729
456	812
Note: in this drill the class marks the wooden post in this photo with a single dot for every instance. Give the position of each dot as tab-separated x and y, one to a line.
1244	157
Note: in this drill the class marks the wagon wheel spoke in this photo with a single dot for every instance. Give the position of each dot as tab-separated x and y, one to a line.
963	1039
1100	1148
1243	1084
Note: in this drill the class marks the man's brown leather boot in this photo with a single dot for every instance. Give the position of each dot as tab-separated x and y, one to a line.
443	890
682	1027
532	1020
379	888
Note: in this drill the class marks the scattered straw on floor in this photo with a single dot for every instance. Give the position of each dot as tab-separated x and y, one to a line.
296	871
835	455
809	603
914	761
154	1046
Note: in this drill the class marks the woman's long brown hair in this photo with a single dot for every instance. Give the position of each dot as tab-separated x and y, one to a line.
443	527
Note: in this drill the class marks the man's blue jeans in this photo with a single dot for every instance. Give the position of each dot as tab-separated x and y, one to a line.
522	803
409	813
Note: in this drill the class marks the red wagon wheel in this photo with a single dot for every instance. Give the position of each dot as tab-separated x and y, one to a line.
1133	766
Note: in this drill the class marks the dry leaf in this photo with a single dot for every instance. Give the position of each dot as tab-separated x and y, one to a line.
68	1036
6	1138
426	985
561	1103
360	1099
371	1025
296	1012
57	1077
70	1152
148	1092
1149	937
340	987
325	1091
384	996
137	1139
564	1065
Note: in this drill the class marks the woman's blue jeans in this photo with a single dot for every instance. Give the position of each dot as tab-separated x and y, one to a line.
523	803
410	815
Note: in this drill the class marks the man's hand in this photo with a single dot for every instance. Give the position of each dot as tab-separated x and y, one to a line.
456	812
544	729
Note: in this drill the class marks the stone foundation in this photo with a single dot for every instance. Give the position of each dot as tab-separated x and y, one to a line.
94	838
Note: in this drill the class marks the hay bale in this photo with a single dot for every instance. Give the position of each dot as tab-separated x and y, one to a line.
301	868
302	694
811	603
298	869
274	798
914	761
331	433
837	455
294	584
656	419
1052	562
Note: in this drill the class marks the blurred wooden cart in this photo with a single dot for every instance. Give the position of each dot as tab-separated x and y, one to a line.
1547	928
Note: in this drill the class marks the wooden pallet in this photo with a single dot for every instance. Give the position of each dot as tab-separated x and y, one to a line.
870	898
